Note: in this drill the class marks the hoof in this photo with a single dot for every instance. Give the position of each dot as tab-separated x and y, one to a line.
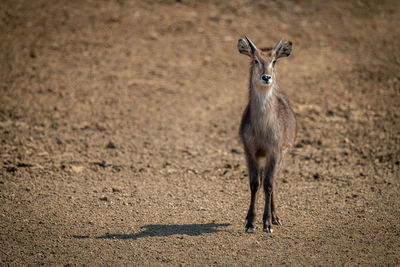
249	228
277	222
268	230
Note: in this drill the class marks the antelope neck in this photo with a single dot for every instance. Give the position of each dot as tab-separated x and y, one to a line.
264	98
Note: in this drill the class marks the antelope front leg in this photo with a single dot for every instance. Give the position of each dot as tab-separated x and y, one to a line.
275	218
254	186
269	209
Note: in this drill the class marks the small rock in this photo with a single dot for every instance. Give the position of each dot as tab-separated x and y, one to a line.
172	170
234	151
100	164
100	127
76	168
23	165
166	164
154	35
228	166
103	198
116	190
206	60
111	145
116	168
11	169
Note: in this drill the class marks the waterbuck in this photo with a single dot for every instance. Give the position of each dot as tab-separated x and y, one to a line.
268	127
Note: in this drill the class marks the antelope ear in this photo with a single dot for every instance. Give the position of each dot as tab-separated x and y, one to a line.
284	50
244	48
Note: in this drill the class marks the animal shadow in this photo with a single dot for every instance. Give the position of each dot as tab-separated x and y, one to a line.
168	230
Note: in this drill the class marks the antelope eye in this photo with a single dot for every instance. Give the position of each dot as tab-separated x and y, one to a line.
273	62
256	61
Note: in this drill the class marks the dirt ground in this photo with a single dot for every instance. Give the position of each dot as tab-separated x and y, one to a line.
119	133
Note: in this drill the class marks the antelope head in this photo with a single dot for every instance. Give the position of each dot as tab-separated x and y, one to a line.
263	61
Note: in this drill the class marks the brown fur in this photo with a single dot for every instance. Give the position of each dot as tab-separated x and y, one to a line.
267	130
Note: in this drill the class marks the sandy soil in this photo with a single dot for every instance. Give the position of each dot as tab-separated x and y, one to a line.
119	133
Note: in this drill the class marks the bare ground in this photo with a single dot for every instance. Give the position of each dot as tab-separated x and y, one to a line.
119	144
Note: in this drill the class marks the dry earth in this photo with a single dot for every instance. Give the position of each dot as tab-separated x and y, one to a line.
119	143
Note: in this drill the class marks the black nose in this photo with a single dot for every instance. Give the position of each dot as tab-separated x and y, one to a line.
266	77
